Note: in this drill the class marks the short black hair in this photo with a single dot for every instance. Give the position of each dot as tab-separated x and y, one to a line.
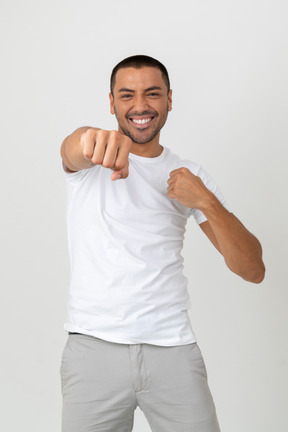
137	62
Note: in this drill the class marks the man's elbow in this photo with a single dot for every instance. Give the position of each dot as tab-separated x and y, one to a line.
258	274
254	274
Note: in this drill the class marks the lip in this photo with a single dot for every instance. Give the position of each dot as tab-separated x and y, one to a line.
144	125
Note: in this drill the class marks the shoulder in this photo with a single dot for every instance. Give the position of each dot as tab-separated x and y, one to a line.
175	161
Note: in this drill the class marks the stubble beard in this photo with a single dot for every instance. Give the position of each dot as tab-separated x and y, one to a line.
141	137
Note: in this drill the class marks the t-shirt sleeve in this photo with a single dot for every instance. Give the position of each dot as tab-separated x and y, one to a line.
213	187
72	178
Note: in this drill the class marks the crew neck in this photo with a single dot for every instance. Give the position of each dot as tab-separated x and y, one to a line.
149	159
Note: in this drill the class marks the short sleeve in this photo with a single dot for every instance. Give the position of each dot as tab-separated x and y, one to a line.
73	178
213	187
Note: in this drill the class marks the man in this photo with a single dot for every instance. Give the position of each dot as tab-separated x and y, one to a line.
130	340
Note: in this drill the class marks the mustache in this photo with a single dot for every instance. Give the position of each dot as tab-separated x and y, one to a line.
143	113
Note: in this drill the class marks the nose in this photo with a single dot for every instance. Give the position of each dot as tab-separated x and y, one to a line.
140	103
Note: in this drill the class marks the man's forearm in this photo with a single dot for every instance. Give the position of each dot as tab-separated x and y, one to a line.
72	152
241	249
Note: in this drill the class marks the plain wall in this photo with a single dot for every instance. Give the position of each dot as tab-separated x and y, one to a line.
228	69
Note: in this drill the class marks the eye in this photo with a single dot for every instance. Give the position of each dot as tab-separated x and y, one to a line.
126	96
153	94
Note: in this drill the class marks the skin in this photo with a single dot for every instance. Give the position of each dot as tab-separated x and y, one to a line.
141	94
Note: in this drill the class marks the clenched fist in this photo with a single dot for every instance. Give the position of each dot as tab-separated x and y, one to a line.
188	189
107	148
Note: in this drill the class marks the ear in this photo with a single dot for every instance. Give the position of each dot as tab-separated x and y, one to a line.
112	111
170	100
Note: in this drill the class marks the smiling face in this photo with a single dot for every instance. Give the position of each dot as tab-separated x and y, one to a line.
141	103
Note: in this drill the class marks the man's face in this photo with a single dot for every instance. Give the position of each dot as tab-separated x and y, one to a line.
141	103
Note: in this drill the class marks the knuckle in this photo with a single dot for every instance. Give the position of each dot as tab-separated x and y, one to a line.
87	154
107	164
118	166
114	135
96	160
100	133
89	133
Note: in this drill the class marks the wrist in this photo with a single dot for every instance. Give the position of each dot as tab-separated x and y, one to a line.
210	205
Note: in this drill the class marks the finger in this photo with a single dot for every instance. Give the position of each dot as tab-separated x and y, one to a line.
173	176
122	154
169	187
176	171
113	144
121	174
88	143
181	172
170	194
125	170
100	147
170	190
170	180
116	175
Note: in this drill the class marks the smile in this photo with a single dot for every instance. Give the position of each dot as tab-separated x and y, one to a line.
141	121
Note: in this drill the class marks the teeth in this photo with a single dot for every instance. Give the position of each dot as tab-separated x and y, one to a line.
141	121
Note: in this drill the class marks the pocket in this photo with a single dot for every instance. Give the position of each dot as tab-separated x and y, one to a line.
198	360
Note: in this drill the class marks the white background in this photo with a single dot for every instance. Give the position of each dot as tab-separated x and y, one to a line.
228	68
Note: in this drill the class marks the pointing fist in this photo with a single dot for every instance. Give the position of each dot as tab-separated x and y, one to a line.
107	148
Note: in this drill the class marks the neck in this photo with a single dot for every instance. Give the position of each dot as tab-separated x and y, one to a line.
146	151
150	149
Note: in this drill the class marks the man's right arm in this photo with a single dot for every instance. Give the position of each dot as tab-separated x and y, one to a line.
87	147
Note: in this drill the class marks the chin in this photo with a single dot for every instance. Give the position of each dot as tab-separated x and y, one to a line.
143	140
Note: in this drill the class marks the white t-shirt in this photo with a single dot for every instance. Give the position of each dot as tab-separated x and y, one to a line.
125	239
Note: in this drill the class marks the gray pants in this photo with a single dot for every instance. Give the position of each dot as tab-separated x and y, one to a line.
103	383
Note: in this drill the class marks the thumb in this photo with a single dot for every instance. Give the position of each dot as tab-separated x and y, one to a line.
121	174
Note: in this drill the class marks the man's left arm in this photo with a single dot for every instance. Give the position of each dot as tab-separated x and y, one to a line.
241	249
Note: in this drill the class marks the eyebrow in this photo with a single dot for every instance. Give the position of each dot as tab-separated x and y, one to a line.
127	90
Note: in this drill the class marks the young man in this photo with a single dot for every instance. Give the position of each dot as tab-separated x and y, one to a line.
130	340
